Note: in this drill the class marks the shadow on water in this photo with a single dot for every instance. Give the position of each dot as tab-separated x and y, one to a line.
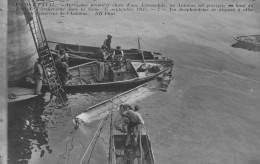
26	130
246	46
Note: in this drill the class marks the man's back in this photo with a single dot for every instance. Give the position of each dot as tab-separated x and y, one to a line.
134	117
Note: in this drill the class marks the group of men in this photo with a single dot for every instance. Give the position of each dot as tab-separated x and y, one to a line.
105	51
61	62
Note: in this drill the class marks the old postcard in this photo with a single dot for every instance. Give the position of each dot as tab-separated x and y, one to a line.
140	81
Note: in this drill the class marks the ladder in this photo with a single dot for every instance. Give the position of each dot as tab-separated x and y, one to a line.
48	64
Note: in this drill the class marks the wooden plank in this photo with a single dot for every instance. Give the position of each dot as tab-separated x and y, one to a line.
19	94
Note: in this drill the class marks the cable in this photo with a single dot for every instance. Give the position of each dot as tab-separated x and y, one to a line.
99	126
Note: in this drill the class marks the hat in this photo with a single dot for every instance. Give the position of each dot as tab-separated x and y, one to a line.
137	107
109	36
118	47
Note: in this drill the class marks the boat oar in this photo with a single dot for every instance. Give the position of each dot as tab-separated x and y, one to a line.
71	55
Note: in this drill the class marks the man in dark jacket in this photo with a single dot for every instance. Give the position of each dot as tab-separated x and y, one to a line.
38	73
107	43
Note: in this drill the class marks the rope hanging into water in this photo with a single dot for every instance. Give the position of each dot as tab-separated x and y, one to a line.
96	133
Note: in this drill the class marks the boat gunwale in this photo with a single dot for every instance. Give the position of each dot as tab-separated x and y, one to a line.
111	99
137	79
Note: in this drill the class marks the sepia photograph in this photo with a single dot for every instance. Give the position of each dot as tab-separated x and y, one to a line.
130	82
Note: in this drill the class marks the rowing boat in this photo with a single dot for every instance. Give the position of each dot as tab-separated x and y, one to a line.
142	153
118	153
107	76
91	52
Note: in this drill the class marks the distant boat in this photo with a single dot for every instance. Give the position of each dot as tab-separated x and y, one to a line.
249	39
97	76
91	52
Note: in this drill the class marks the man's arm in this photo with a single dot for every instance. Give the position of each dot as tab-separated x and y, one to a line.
140	118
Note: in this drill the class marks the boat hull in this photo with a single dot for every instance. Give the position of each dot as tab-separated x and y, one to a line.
106	86
91	52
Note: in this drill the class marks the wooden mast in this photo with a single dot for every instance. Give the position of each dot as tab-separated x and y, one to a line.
139	48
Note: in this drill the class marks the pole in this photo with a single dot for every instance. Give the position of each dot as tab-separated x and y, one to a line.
139	48
140	149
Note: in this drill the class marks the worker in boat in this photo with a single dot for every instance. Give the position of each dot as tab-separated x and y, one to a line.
117	57
38	73
63	56
107	43
63	67
102	54
132	127
118	54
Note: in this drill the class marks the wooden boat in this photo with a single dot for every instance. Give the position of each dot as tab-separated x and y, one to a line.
91	52
99	110
118	153
100	76
249	39
105	76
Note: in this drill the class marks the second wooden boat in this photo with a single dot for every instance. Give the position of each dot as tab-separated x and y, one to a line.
100	76
142	153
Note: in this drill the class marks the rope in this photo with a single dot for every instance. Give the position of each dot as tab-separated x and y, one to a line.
141	154
148	144
92	139
94	145
70	139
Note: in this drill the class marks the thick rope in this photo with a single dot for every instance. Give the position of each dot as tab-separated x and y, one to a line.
101	122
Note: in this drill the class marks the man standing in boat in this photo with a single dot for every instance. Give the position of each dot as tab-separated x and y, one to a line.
118	54
38	73
107	43
102	54
63	67
135	119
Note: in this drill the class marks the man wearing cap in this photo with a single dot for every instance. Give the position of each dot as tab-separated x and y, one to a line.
63	67
118	54
38	73
134	120
107	43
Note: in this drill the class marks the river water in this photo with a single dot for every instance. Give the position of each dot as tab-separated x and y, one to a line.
210	113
